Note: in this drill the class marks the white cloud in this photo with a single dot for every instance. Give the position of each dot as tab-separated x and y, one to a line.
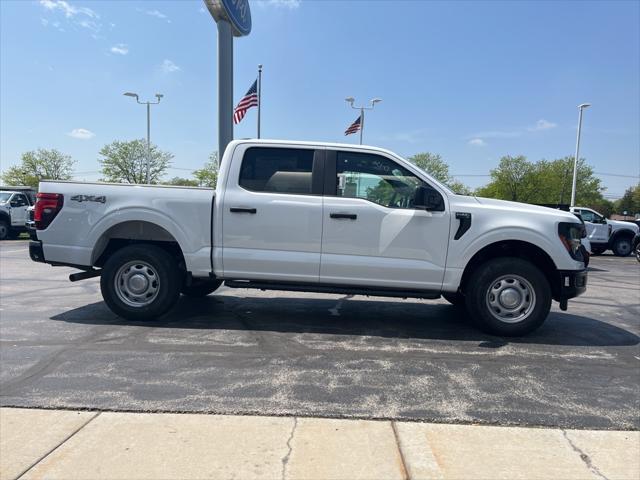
542	124
157	14
169	67
68	9
81	133
290	4
477	142
120	49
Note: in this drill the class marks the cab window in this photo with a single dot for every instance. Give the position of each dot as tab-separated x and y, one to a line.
19	200
375	178
277	170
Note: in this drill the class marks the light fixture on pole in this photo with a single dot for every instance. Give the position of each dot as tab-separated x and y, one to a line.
581	107
148	104
351	100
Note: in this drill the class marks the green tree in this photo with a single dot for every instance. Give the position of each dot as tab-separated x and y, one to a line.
630	201
207	176
39	165
511	180
126	162
179	181
433	164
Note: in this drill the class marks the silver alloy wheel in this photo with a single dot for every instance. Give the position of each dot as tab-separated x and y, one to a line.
137	283
511	298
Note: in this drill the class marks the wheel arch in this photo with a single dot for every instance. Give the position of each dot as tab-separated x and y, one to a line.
132	232
624	232
514	248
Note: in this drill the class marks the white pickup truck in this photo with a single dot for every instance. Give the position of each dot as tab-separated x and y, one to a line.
605	234
314	217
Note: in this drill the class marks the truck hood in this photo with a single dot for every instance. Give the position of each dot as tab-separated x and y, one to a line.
620	225
525	208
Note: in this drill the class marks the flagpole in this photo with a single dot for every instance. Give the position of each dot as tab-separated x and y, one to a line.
361	124
259	95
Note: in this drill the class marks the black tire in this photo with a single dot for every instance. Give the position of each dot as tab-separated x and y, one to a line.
622	246
157	265
456	299
200	288
598	250
493	276
5	229
637	252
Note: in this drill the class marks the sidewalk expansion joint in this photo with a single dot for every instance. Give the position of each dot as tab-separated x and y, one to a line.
403	463
285	459
26	470
584	457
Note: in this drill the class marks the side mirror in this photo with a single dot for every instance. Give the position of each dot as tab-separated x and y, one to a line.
428	198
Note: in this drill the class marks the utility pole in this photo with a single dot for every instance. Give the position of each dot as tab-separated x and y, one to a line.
148	104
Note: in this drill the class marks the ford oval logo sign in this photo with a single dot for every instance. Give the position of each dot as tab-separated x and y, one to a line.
236	12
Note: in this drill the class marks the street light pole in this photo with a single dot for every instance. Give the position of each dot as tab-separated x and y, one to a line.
148	104
362	108
575	159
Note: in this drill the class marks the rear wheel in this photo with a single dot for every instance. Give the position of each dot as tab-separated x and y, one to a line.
4	230
622	246
200	288
140	282
508	297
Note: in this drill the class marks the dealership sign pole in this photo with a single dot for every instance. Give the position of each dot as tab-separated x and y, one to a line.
233	19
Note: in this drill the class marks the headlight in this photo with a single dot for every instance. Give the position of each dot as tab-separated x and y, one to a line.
570	234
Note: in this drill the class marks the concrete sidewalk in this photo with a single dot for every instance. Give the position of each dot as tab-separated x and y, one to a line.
88	445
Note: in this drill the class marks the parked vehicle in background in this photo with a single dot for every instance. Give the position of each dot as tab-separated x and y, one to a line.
314	217
607	234
636	246
14	202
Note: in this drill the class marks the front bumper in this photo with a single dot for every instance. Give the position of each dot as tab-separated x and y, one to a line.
572	284
36	252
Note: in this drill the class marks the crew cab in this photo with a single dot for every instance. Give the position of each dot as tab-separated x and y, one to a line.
605	234
314	217
14	203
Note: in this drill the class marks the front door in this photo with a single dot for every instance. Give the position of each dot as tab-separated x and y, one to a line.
19	205
596	226
372	235
272	215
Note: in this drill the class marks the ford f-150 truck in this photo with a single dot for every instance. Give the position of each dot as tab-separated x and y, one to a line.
314	217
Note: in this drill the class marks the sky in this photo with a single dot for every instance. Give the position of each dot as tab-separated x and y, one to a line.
471	81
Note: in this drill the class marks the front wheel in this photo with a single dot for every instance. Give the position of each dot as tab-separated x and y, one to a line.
140	282
622	246
637	251
508	297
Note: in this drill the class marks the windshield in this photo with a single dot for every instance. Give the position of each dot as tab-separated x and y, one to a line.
4	197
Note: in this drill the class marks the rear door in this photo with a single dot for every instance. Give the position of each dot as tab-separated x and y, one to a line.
272	214
372	235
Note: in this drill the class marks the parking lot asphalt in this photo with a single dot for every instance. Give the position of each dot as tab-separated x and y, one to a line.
283	353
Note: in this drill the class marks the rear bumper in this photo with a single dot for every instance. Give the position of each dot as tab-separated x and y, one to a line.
572	283
36	252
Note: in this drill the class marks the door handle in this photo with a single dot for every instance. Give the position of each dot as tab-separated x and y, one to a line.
242	210
350	216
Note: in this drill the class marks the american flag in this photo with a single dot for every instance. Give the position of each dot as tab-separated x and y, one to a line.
353	128
249	100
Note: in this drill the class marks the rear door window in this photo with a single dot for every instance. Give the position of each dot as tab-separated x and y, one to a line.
277	170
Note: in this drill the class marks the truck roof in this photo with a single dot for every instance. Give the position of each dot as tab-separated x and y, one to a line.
313	144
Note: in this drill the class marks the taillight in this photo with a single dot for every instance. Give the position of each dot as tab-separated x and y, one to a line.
47	207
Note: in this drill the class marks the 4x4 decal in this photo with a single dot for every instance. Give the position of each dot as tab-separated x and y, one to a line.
89	198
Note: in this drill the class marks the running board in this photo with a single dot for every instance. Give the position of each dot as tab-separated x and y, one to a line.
339	289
